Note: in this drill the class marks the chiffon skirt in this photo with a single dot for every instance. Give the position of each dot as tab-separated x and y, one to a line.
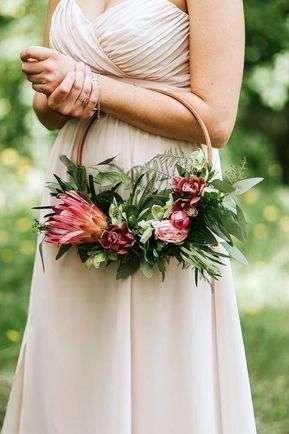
134	356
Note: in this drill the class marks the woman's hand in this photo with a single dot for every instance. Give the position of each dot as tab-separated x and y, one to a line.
45	68
77	95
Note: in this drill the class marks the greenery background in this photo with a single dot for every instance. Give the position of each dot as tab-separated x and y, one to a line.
261	134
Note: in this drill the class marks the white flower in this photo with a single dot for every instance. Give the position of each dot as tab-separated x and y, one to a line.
96	260
199	160
116	213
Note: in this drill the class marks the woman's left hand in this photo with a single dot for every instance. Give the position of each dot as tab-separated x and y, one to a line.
77	95
45	67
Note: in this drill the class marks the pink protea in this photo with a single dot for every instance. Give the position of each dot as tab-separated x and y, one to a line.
75	221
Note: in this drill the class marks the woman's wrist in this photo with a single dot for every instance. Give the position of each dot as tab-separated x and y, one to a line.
51	119
97	78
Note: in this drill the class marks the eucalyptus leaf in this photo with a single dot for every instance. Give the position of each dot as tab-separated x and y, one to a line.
223	186
147	269
235	253
246	184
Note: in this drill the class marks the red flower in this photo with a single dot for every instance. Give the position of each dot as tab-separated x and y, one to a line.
75	221
184	205
180	219
192	186
117	239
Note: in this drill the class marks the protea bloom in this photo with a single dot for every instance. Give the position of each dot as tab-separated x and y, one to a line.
75	221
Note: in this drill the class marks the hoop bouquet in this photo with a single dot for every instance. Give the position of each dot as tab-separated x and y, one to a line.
174	206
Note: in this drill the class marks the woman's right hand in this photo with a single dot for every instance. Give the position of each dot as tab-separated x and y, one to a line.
77	95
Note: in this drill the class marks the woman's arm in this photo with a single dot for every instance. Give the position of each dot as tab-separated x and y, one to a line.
216	66
50	118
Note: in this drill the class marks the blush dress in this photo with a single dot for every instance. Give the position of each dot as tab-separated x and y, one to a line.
134	356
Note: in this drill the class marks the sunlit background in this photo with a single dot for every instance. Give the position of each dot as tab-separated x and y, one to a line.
261	135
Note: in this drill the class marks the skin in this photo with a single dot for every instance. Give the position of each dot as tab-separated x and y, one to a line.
216	65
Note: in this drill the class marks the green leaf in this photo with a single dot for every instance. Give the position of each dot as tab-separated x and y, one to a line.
110	177
77	174
129	264
107	161
181	170
212	220
196	276
80	179
146	234
157	212
222	185
229	203
134	188
201	235
69	164
232	226
105	199
61	183
147	269
235	253
40	247
91	187
42	207
246	184
62	250
242	221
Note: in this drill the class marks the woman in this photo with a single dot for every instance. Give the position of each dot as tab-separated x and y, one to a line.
135	356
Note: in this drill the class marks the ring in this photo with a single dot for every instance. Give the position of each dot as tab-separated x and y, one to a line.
83	101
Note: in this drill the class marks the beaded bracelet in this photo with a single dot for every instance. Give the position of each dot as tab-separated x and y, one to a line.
97	80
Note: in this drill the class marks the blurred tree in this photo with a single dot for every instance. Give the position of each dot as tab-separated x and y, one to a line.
262	129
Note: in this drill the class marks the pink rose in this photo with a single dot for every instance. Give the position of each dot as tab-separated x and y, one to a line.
117	239
180	219
193	185
166	231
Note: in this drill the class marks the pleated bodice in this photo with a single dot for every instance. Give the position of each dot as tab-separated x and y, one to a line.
141	41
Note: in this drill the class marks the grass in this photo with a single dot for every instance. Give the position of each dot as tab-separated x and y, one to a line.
266	335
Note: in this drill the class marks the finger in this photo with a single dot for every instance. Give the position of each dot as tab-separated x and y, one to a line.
37	78
42	88
32	67
62	92
93	100
37	53
78	83
84	96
